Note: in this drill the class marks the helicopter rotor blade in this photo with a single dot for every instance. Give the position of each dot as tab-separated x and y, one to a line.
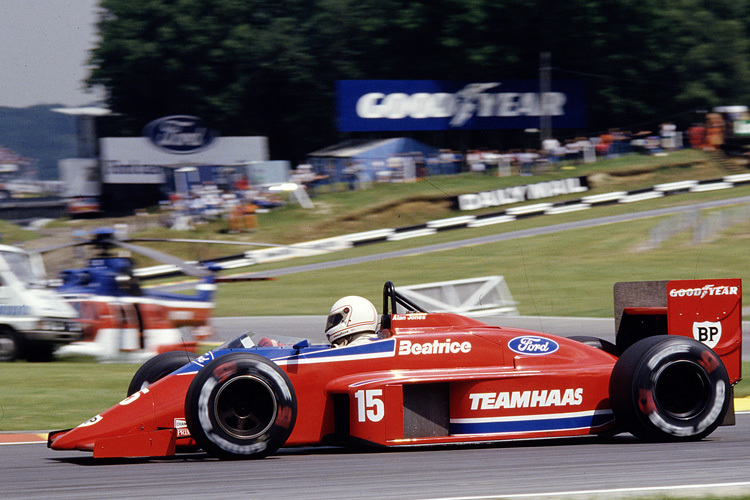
61	246
217	242
185	267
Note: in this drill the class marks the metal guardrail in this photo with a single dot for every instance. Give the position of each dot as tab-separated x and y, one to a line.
488	295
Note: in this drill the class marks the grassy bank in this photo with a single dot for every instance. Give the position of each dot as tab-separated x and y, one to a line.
569	273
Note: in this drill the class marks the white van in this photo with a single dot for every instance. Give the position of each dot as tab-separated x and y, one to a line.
34	319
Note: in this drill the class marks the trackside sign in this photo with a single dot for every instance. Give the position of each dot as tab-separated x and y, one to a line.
398	105
179	134
517	194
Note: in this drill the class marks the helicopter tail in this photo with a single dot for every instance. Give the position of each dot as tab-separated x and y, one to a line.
204	292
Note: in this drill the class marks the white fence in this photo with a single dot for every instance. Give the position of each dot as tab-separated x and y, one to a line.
472	297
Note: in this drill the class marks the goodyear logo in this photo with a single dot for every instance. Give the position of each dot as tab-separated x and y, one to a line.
707	290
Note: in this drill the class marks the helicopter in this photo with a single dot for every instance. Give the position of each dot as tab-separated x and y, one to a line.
121	319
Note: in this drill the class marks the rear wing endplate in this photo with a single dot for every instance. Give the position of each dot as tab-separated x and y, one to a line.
709	311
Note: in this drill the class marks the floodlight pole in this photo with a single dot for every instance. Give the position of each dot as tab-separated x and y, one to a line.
545	87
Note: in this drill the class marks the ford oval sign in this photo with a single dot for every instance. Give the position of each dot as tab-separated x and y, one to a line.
533	346
180	134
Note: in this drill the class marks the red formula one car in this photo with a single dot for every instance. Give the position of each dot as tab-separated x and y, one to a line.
440	379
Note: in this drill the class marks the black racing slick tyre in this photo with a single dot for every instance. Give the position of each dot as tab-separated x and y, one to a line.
668	388
159	367
240	406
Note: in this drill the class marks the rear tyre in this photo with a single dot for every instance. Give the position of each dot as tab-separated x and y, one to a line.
11	346
240	405
667	388
159	367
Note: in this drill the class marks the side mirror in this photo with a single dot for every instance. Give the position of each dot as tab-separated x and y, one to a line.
301	345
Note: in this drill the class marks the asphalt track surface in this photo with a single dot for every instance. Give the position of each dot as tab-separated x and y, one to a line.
590	467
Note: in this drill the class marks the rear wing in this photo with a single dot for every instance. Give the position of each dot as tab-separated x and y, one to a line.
709	311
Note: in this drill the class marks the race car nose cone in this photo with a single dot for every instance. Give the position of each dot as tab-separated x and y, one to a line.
136	411
70	439
136	426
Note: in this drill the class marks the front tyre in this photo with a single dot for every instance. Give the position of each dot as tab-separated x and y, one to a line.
240	405
667	388
11	345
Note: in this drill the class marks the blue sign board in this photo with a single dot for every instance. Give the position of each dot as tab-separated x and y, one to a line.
399	105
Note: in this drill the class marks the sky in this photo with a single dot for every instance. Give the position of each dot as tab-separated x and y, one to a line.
44	48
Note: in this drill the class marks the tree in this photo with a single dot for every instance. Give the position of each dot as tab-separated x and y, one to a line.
269	68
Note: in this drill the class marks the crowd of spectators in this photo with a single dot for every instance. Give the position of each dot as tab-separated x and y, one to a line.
553	154
240	203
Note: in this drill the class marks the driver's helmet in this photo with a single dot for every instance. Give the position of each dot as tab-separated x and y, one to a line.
349	316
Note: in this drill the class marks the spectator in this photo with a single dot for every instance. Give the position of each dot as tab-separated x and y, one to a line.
447	162
697	136
241	184
668	133
714	131
604	147
553	150
419	164
350	175
474	161
526	161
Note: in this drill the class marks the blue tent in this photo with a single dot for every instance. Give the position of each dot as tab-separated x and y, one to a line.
368	158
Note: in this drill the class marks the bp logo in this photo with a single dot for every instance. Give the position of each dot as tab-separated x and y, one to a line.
707	332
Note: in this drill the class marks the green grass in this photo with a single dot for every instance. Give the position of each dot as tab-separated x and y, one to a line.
59	395
563	274
11	234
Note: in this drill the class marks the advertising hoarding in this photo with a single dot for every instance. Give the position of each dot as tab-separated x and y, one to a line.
403	105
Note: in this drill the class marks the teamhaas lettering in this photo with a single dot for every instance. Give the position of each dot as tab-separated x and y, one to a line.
710	290
435	347
526	399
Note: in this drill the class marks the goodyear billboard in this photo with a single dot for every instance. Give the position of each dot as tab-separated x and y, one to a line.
400	105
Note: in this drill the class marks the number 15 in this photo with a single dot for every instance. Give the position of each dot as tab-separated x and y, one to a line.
369	405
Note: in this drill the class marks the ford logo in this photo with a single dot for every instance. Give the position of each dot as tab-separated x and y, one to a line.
180	134
533	345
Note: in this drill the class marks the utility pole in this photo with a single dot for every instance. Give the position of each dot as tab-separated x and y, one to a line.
545	87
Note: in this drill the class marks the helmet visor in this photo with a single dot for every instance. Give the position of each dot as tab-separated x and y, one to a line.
334	319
